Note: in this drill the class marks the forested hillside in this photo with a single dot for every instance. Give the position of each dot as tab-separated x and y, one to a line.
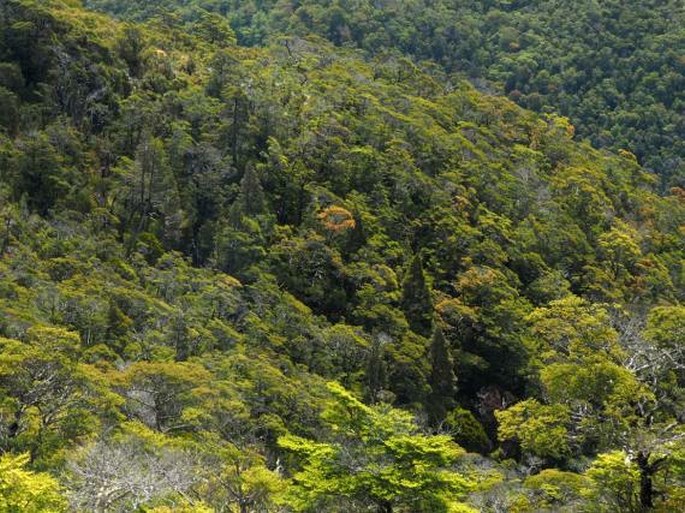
303	276
615	67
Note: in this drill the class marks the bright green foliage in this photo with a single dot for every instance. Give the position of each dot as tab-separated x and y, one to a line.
573	328
48	399
165	396
23	491
666	328
598	383
615	483
141	162
375	458
238	479
541	430
666	331
555	490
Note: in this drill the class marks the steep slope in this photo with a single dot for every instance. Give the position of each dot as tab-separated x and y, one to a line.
614	67
198	238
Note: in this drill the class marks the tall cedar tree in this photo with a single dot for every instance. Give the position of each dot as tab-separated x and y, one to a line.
416	299
250	202
442	380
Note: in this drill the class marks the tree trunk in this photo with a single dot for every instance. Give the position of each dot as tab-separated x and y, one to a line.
234	133
646	484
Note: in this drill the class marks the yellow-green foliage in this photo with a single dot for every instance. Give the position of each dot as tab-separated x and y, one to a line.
540	429
24	491
377	458
615	482
285	276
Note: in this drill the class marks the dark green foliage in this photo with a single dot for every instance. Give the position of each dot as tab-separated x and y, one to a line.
9	110
250	201
465	429
441	378
614	68
416	301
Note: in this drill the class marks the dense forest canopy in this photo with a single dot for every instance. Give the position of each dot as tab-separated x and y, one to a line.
246	266
615	67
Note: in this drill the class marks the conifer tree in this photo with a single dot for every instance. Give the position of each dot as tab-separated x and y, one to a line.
441	378
376	373
416	300
250	201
